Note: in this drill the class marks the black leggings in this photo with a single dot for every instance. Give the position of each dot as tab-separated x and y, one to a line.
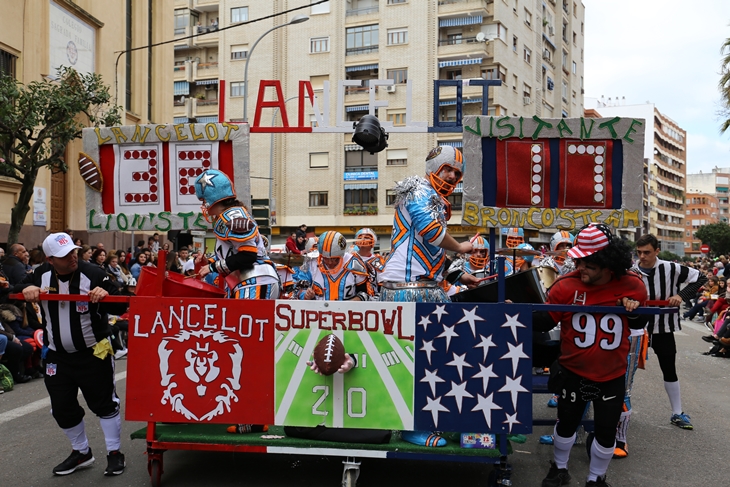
608	400
665	349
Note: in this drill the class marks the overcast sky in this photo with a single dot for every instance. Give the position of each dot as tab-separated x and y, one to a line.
666	52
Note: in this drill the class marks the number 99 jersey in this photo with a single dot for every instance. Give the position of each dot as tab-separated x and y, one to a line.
594	345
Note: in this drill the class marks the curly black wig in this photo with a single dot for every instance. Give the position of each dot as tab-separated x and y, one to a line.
616	257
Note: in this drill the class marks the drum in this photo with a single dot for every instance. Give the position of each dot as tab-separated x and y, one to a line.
547	275
523	287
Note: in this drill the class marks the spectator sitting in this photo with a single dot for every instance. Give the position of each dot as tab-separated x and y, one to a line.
15	264
292	243
709	294
37	257
141	261
114	270
16	353
14	319
98	257
85	253
172	263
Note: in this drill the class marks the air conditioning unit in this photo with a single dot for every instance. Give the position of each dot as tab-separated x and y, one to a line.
551	30
546	54
390	88
527	100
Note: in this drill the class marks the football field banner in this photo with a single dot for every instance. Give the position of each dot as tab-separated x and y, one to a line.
451	367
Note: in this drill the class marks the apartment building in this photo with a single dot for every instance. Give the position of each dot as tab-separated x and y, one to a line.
715	183
324	180
39	36
665	173
701	209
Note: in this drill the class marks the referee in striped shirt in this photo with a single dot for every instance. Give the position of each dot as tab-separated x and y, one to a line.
77	351
663	280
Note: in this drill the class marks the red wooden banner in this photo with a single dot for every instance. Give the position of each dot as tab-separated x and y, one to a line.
201	360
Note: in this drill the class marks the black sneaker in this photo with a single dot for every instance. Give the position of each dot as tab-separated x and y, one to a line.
74	461
115	463
599	482
556	476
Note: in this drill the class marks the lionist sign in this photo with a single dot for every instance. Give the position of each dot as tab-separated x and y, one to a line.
141	177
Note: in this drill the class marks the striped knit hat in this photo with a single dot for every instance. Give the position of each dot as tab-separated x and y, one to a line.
590	240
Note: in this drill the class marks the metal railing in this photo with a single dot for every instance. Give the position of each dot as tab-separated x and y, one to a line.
361	11
360	50
460	40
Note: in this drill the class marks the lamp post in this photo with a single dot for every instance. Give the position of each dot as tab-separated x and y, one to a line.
298	19
272	206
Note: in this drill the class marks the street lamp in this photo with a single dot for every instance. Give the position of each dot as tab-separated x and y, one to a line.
298	19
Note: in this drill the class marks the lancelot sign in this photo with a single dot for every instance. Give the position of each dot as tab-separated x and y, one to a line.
141	177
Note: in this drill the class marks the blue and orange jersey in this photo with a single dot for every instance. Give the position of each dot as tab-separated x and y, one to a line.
230	242
330	286
419	226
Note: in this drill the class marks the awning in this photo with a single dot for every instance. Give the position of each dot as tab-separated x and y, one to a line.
349	187
207	82
352	147
453	143
180	120
460	62
362	67
470	20
211	119
357	108
443	103
547	39
181	88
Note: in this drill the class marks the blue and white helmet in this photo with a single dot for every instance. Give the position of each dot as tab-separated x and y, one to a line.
366	237
559	238
213	186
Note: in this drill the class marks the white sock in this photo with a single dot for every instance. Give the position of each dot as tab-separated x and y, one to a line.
622	429
561	449
600	458
675	400
112	428
77	436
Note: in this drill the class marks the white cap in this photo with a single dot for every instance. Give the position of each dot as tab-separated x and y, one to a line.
58	245
189	265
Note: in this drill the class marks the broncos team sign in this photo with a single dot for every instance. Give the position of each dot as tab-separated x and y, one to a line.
141	177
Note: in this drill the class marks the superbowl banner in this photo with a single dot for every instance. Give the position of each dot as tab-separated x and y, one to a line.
450	367
141	177
552	173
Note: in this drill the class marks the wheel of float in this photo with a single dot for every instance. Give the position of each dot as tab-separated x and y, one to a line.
350	478
156	472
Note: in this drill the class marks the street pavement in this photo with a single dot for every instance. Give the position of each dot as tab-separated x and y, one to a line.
660	454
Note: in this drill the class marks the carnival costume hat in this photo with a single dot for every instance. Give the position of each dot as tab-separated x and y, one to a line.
591	239
515	237
213	186
479	243
332	245
561	237
365	237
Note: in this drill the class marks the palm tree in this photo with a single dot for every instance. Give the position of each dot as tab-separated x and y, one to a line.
724	86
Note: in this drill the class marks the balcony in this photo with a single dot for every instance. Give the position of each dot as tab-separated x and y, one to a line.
209	37
205	108
180	73
465	46
206	4
183	43
206	71
183	3
182	107
478	7
365	54
373	9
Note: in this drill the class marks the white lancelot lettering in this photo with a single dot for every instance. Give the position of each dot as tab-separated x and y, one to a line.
240	326
261	323
207	323
190	323
160	322
136	328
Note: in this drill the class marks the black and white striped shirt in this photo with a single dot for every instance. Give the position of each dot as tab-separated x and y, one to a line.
70	326
662	282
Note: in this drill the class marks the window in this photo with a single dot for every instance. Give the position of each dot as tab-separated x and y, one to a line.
399	76
362	39
318	198
322	8
574	97
239	51
397	36
396	157
319	159
528	17
318	82
319	44
398	117
514	43
395	2
565	91
236	88
526	90
361	199
456	201
239	14
183	19
360	161
527	55
495	72
575	39
575	68
514	82
565	31
390	197
452	39
582	29
565	60
448	115
453	74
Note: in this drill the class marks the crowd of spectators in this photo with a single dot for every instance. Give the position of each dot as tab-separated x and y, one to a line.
21	339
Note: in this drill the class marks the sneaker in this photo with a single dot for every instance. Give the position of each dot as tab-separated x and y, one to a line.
120	353
547	440
621	450
681	420
709	338
74	461
556	476
423	438
115	463
599	482
553	401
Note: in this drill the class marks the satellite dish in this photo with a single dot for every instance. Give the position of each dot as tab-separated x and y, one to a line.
481	37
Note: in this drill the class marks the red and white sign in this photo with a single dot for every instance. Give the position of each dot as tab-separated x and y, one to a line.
705	249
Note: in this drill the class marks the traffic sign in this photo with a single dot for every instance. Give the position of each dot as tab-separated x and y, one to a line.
705	249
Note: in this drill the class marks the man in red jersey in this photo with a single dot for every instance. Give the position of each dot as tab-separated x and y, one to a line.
594	346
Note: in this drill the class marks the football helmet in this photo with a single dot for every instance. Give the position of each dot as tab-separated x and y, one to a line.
561	237
475	260
212	187
527	258
365	237
331	245
515	237
443	155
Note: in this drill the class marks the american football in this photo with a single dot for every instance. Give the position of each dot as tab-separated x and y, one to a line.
89	170
329	354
